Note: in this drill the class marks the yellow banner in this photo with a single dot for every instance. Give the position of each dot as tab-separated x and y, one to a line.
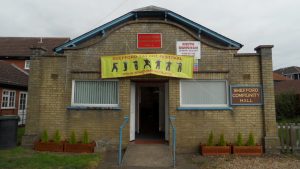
141	64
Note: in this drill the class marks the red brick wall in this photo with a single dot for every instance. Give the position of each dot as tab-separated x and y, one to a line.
10	111
19	63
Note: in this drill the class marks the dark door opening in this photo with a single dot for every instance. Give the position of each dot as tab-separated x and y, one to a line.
150	114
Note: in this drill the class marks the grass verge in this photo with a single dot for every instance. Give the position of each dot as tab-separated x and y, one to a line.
21	158
20	133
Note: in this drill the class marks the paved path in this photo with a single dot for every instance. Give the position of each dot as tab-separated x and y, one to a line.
146	157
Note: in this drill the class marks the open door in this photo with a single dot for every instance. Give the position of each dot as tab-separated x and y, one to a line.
132	111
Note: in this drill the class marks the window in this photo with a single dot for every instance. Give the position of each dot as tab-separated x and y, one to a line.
27	64
8	99
95	93
202	93
296	76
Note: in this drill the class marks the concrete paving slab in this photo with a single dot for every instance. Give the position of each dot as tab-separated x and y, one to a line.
147	155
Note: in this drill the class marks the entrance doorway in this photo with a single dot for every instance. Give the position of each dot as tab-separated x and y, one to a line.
150	112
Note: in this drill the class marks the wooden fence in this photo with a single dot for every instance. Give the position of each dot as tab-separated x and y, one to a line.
289	135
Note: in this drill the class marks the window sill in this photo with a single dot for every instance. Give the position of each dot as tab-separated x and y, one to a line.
204	108
7	108
92	108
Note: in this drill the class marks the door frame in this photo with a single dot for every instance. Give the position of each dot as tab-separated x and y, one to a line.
22	113
135	87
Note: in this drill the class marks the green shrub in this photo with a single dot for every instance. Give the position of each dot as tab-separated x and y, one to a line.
222	141
287	105
57	137
210	141
73	138
45	138
239	141
85	139
251	141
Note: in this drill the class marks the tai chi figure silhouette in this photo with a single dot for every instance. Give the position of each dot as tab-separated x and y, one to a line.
136	66
115	67
125	66
168	66
147	63
157	64
179	67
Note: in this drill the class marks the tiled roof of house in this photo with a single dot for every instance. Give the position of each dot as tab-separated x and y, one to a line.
288	86
279	77
20	46
12	75
288	70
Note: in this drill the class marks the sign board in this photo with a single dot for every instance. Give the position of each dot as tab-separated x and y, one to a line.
246	95
189	48
149	40
141	64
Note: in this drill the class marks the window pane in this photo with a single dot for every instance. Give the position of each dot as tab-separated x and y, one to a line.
203	92
12	99
8	98
96	92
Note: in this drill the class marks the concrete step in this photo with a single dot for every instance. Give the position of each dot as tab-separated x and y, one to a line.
147	155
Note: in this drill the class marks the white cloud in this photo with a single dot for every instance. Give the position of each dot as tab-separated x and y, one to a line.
251	23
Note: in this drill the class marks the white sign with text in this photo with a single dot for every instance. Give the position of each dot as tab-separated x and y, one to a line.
189	48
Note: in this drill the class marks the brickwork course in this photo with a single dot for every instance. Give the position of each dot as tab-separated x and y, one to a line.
50	87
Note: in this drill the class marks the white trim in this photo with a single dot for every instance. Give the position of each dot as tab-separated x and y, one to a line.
204	105
94	105
8	101
26	66
22	113
166	111
132	111
21	92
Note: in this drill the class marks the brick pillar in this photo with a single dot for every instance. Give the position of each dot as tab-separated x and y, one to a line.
33	102
271	141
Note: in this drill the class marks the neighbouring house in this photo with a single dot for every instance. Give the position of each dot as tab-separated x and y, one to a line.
152	65
15	55
279	77
13	90
292	72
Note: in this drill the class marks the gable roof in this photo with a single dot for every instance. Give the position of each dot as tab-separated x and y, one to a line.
288	70
12	75
20	46
279	77
150	11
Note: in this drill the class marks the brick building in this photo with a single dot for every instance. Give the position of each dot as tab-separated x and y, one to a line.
13	90
14	71
292	72
68	90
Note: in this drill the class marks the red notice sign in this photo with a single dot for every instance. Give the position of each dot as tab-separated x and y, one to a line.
149	40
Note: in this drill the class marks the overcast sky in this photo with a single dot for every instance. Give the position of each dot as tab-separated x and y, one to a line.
249	22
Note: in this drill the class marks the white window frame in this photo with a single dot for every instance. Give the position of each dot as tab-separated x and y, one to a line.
15	96
20	93
94	105
204	105
26	65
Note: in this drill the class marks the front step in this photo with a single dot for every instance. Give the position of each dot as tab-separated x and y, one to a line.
147	155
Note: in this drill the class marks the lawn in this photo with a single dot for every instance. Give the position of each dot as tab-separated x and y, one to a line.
22	158
20	133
